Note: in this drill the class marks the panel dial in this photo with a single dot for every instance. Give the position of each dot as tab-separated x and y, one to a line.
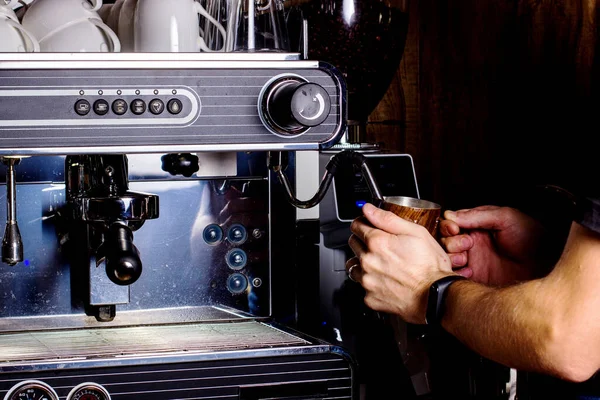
88	391
31	390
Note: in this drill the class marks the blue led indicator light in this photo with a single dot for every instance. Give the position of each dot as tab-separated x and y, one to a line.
360	203
26	262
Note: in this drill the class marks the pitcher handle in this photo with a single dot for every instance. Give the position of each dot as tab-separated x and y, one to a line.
26	34
202	44
116	43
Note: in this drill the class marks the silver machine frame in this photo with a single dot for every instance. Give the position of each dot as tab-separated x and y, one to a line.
187	342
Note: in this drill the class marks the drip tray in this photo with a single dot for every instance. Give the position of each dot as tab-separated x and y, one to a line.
142	340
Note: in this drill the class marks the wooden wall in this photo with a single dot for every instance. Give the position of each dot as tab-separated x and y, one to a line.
493	96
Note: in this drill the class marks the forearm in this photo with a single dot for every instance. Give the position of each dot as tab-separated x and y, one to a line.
512	326
550	325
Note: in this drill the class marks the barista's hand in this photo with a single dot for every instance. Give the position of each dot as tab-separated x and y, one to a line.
397	261
498	245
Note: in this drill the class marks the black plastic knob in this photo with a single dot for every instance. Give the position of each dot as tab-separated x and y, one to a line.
290	106
185	164
12	246
123	263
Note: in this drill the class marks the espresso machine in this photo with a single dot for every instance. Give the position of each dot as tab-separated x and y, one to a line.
150	248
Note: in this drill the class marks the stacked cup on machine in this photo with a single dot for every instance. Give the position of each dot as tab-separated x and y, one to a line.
144	26
70	26
199	25
165	26
173	26
15	37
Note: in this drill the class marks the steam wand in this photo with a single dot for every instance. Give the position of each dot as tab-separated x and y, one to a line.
277	162
12	246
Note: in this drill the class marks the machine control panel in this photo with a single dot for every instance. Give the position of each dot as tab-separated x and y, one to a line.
94	107
100	107
120	106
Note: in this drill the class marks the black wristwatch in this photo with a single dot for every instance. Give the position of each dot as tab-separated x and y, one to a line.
437	298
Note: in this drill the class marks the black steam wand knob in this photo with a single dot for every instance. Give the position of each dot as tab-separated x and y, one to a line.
12	246
180	164
290	105
123	263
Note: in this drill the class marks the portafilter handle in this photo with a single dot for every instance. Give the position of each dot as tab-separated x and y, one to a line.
97	190
12	246
123	263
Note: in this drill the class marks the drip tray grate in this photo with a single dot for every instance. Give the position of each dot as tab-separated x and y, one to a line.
131	341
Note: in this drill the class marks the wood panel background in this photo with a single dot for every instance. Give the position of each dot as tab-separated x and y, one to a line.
494	96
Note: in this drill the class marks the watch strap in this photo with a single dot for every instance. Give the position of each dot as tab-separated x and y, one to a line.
437	298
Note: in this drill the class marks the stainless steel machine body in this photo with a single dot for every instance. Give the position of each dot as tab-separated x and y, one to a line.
104	186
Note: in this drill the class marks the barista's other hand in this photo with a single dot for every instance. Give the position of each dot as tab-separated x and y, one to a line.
496	245
398	262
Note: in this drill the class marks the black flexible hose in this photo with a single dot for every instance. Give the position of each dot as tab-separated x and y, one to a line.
342	159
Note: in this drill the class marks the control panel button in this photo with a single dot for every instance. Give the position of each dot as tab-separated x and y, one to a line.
174	106
101	107
82	107
138	106
236	259
237	234
237	283
212	234
156	106
119	106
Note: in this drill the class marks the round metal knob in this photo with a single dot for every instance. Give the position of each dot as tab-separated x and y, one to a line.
290	105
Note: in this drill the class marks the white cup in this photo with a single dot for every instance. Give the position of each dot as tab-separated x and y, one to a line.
171	26
6	9
15	38
45	17
85	35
